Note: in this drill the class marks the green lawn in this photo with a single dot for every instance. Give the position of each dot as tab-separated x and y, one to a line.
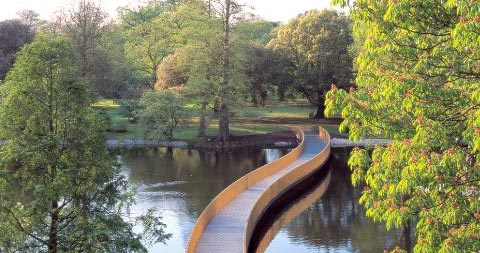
297	108
247	121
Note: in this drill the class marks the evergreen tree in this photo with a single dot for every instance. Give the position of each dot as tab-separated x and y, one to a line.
60	188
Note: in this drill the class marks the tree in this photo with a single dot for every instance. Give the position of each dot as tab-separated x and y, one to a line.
260	73
417	84
317	44
212	57
260	61
13	35
161	114
60	189
85	26
199	56
256	31
30	18
149	37
228	11
115	77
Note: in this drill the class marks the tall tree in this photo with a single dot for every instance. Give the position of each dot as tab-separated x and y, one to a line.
317	43
199	55
260	61
85	25
30	18
212	56
228	11
256	31
418	84
60	189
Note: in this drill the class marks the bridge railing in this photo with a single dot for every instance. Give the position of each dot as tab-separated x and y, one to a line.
283	184
239	186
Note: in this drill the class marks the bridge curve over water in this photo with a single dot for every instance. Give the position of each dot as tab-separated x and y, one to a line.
227	223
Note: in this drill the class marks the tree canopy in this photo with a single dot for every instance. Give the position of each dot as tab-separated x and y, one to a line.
317	44
60	188
418	84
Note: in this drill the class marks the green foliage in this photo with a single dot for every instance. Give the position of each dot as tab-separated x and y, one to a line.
128	108
316	43
256	31
119	79
161	114
149	37
418	75
60	188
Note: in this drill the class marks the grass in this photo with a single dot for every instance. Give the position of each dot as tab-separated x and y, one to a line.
121	126
248	120
287	109
107	104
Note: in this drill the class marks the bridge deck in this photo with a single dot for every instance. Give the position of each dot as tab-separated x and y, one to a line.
225	231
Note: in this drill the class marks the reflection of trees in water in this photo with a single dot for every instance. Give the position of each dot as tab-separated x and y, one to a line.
198	176
338	221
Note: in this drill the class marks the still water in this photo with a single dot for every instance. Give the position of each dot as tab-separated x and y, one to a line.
332	221
327	219
182	183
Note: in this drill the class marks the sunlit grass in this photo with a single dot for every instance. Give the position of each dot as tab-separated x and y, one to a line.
287	109
245	122
106	103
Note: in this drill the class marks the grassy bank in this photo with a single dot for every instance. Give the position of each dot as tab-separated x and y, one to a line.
248	120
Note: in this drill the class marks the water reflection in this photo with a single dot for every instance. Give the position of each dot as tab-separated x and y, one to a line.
291	208
181	183
273	154
335	223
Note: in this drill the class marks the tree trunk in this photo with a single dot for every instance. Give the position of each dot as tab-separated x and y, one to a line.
281	93
407	238
223	126
320	110
52	235
202	126
223	122
320	114
263	98
254	100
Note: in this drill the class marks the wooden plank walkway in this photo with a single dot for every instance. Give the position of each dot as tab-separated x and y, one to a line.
226	231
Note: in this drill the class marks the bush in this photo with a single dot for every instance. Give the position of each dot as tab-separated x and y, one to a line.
161	113
128	109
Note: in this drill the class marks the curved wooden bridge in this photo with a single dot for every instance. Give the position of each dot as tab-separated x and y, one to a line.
227	223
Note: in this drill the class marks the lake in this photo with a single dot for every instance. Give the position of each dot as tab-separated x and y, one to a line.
181	183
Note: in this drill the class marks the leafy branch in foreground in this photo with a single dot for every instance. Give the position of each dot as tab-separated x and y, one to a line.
418	84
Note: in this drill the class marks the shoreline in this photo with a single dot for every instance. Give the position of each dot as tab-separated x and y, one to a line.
283	139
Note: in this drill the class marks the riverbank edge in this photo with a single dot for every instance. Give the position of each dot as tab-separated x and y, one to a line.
282	139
